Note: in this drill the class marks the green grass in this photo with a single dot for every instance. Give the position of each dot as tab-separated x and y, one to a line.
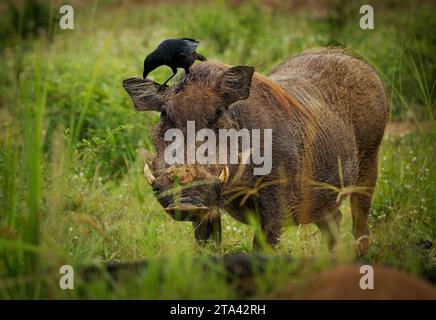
72	190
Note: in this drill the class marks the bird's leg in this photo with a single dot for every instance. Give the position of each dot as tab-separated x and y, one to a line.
185	78
165	83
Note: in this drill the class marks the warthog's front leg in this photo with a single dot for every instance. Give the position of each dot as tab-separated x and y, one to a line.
208	228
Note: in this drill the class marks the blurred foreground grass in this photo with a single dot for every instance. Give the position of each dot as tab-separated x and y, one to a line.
72	190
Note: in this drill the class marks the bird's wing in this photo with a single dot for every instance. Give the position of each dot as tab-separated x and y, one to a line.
191	43
191	40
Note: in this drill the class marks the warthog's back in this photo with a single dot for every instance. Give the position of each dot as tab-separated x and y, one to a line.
349	87
344	111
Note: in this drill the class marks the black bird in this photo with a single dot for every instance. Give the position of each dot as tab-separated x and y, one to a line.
174	53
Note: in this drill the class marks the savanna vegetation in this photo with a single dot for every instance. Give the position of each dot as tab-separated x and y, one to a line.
71	184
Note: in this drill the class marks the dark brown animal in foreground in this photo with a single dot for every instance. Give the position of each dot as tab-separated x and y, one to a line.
327	111
343	283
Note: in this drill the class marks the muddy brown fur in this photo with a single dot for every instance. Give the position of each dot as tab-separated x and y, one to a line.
343	283
327	111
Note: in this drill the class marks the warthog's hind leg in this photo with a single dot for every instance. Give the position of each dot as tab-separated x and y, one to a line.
361	204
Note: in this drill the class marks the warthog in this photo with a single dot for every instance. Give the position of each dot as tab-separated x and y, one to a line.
327	111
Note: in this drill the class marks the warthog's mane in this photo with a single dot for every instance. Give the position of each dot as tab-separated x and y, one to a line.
206	74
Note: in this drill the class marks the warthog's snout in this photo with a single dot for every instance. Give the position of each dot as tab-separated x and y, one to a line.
186	192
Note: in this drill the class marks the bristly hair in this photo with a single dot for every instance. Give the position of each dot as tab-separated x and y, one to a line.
206	74
179	86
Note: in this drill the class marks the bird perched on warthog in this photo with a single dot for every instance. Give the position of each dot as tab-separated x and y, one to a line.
174	53
327	111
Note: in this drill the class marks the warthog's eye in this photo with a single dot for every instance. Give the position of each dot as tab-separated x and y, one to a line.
218	113
163	113
165	117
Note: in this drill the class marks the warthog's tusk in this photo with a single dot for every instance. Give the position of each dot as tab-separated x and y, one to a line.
224	175
147	173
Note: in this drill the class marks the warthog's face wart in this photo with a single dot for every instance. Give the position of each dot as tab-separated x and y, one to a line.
186	189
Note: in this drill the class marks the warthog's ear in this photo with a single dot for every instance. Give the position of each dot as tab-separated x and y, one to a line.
145	94
234	83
